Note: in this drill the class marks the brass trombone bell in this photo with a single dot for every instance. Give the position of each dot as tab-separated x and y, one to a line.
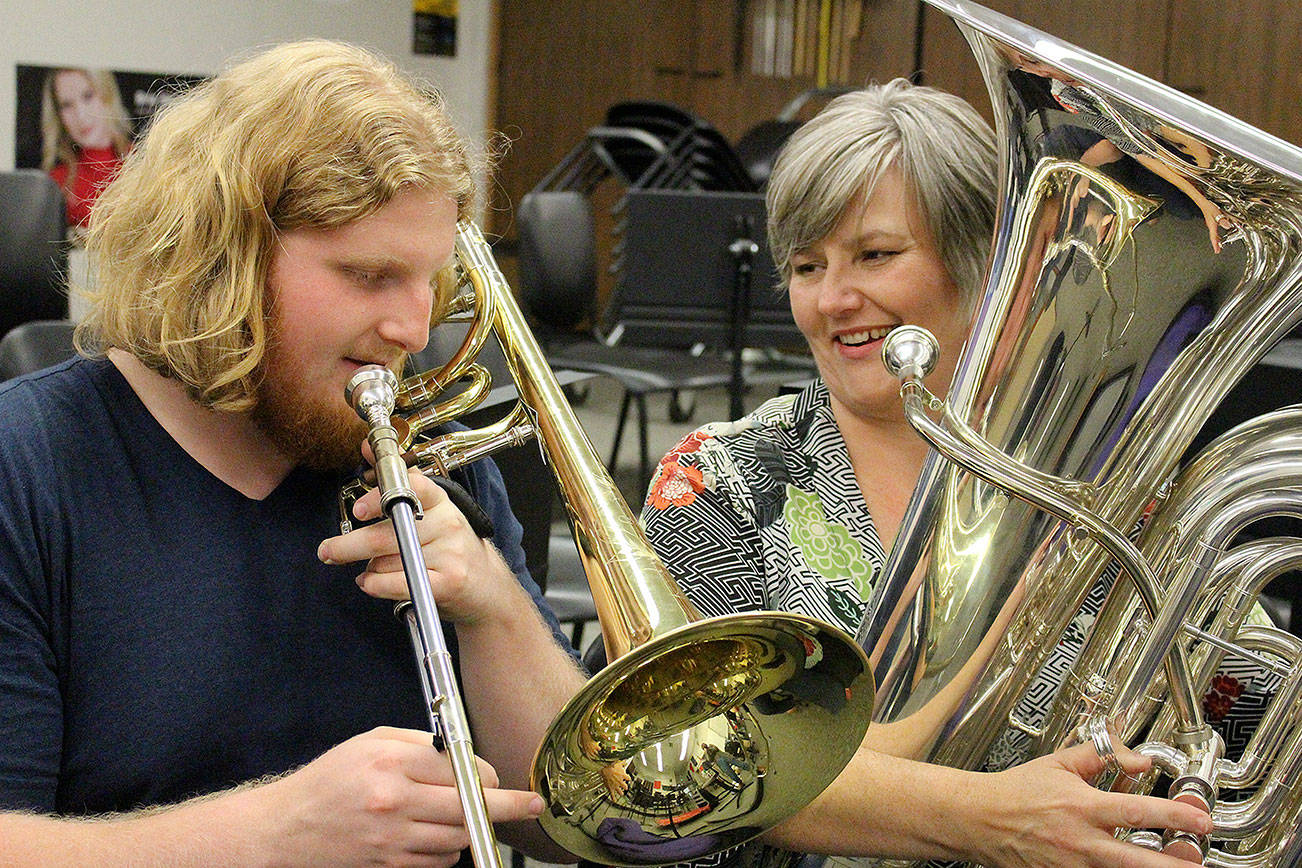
703	732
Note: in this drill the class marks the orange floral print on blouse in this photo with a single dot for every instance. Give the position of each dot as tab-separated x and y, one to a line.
675	485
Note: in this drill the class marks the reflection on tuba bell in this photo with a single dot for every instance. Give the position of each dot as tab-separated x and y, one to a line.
695	738
1148	253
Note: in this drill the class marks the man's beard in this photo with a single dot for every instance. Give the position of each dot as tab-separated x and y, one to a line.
315	432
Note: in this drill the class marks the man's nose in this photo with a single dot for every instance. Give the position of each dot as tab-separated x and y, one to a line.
407	317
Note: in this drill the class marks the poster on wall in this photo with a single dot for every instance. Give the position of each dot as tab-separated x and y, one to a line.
78	123
434	27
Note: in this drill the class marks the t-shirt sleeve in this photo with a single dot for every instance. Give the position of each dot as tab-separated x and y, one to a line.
31	721
489	490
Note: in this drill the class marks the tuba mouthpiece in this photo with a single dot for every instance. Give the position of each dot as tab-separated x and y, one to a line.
910	352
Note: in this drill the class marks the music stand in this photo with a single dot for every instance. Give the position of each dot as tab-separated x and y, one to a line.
696	270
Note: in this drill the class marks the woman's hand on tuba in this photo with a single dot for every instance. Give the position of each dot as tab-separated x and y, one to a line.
1044	813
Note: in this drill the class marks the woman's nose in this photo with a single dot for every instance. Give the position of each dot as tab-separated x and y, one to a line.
840	293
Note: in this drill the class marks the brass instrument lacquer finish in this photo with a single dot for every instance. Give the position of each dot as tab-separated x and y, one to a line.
1148	252
702	733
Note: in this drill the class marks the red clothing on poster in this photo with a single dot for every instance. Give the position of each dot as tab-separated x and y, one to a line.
95	169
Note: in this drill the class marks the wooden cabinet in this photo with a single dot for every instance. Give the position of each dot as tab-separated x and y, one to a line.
1129	33
1242	58
562	63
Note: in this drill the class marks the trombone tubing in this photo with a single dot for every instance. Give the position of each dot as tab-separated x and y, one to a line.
439	685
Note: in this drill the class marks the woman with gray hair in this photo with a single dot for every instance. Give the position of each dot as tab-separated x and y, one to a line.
881	210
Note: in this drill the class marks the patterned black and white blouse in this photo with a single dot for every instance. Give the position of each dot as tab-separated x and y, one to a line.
766	513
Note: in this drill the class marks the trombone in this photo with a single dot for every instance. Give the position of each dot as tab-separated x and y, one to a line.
696	738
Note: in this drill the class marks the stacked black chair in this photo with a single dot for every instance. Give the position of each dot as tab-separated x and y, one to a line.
33	269
700	158
558	287
642	146
650	145
758	147
663	122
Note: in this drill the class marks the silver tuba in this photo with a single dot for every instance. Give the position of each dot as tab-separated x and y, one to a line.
1148	253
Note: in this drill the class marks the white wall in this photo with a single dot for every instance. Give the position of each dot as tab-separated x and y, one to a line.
196	38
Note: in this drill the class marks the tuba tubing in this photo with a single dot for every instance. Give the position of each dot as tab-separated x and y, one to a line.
1148	252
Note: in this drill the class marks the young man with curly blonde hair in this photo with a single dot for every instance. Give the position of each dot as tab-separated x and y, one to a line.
189	674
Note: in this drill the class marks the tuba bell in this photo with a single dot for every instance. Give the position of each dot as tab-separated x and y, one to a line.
695	738
1148	253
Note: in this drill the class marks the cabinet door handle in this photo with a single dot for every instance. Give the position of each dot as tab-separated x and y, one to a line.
670	70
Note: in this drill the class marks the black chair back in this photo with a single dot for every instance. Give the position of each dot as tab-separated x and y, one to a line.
34	345
758	147
33	252
558	260
664	121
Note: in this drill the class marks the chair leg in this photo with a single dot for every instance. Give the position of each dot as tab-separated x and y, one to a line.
644	465
619	432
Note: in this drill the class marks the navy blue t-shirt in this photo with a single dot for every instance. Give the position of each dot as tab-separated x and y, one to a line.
161	634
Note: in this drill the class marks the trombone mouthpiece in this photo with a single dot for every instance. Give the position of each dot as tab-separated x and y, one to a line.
371	386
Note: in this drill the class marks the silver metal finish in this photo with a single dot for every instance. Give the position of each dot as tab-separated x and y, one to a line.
371	392
1148	252
910	352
